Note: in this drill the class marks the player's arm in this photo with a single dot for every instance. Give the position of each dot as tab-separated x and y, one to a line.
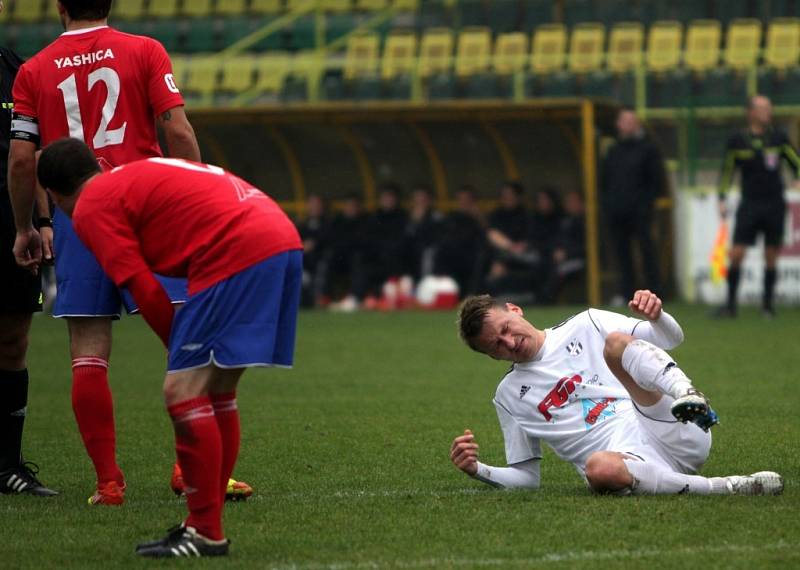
153	302
179	134
659	328
106	232
522	475
727	173
45	230
22	192
790	155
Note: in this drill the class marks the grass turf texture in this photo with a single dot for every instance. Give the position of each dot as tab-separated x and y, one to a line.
349	457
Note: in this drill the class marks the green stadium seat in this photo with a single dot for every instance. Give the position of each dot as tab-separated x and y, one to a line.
127	9
138	27
537	13
506	16
578	12
236	28
164	31
203	34
163	9
196	8
230	8
471	13
27	11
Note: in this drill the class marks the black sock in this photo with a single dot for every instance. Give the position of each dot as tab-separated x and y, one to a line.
770	278
13	404
733	286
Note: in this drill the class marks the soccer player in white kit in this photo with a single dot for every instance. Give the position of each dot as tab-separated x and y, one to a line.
601	391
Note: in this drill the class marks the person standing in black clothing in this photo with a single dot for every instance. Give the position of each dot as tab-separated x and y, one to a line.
461	248
632	177
757	151
384	245
422	233
20	297
314	231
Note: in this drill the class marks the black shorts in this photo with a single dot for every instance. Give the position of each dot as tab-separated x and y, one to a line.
753	218
20	292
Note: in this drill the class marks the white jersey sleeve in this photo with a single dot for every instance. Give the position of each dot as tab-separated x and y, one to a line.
519	445
665	332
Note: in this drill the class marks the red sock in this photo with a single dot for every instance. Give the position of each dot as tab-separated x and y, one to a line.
227	415
94	412
199	448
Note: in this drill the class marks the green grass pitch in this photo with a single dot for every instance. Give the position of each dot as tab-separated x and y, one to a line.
348	453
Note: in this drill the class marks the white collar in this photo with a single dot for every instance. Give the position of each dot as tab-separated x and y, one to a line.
84	30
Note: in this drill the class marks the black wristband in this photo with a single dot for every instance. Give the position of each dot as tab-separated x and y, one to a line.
45	222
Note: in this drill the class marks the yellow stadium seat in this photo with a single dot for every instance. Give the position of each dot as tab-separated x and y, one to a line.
336	5
783	43
510	53
362	55
435	52
237	74
297	4
474	51
265	6
405	5
625	47
196	8
399	54
587	47
549	50
271	71
371	5
702	45
743	44
664	43
202	73
179	66
27	11
230	7
163	9
51	10
127	9
305	64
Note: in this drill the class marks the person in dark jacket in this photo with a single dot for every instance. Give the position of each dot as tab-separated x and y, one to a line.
315	232
632	177
461	248
384	245
422	233
343	265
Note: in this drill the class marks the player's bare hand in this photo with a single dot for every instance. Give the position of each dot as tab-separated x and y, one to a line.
464	453
28	250
48	252
646	303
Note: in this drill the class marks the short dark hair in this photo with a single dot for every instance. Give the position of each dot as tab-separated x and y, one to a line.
87	9
515	185
472	315
66	164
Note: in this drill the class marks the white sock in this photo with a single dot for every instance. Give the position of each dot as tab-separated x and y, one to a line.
654	370
653	480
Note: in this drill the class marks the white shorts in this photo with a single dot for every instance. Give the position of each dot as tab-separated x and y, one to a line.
657	437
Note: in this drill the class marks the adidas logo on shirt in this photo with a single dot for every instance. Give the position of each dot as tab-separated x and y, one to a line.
523	391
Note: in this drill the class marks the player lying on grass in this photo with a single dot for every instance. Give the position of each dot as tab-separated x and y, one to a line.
602	393
242	257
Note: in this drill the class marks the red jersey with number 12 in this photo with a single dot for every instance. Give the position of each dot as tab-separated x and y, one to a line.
102	86
181	219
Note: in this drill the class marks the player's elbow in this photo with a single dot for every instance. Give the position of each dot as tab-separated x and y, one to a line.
21	161
181	141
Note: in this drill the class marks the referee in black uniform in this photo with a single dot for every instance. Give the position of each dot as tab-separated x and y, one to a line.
758	152
20	297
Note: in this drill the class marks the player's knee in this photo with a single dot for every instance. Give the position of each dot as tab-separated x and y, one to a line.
13	348
606	472
615	345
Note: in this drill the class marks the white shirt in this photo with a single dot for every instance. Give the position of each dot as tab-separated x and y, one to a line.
567	397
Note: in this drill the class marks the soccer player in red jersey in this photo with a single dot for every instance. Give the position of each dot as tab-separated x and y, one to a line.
243	260
108	89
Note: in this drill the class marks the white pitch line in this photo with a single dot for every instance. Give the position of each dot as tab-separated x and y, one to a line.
589	555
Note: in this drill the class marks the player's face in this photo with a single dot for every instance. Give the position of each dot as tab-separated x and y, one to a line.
761	111
506	335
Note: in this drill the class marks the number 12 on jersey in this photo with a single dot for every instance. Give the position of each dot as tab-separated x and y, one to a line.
103	137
